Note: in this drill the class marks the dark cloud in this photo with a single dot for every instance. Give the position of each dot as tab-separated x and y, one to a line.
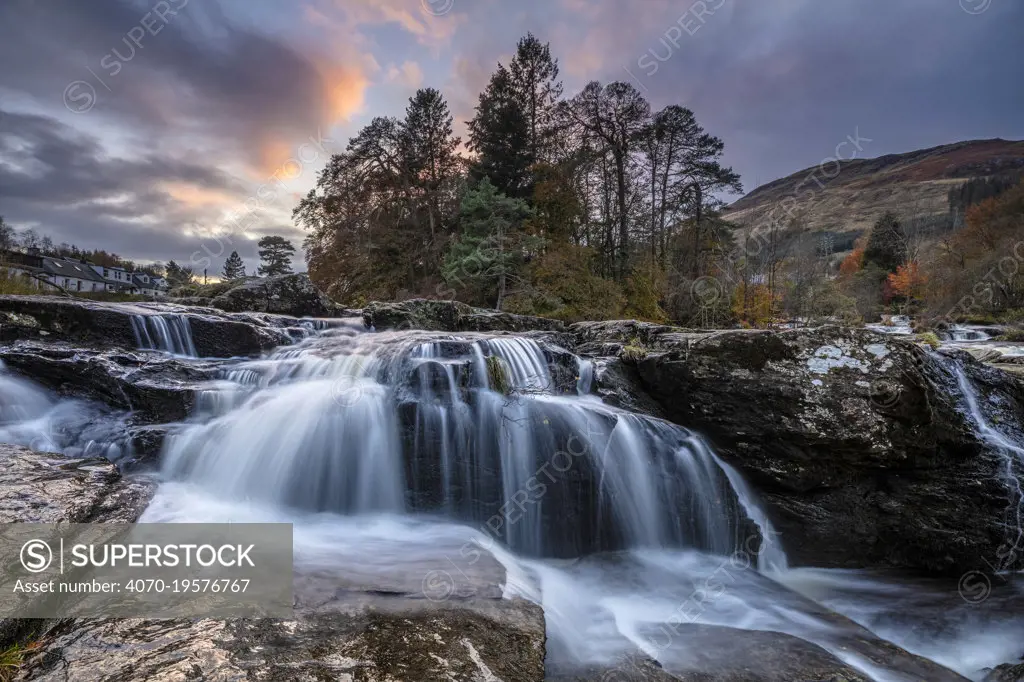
185	123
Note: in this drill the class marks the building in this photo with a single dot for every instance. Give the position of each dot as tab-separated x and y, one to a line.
145	284
138	283
72	275
69	274
25	266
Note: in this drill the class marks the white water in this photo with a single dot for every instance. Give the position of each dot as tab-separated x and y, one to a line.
32	417
1011	453
167	333
313	435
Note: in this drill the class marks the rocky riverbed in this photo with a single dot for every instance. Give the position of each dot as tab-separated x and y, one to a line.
735	505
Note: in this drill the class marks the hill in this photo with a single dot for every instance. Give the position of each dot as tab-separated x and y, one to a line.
913	184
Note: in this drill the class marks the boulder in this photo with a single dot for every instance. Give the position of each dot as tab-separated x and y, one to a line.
858	442
94	323
37	487
158	389
451	316
293	295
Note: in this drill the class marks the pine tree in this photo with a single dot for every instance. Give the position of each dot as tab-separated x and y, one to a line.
276	256
534	75
179	275
430	161
234	267
500	135
492	248
886	247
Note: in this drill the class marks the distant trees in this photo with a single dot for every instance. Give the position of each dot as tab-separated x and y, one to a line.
275	256
234	267
8	239
178	275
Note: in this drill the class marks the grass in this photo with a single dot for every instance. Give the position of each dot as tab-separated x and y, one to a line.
17	285
12	658
634	351
929	338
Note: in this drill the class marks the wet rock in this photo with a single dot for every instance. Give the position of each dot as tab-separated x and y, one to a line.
158	388
293	295
858	442
450	316
618	383
707	653
98	324
460	642
38	487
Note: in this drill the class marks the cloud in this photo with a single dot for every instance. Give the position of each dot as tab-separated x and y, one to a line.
409	75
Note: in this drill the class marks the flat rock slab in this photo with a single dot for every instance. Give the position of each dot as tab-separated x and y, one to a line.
38	487
100	324
391	641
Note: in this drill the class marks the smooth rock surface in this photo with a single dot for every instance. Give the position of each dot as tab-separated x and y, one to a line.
858	442
450	316
38	487
94	323
293	295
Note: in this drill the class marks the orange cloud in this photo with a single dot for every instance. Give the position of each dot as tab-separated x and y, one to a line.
194	196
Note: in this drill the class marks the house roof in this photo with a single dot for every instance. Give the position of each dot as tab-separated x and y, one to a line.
61	267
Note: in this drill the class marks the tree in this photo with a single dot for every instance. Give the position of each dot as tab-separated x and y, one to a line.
275	256
614	115
885	246
492	248
429	155
500	135
908	281
178	275
8	239
234	267
534	76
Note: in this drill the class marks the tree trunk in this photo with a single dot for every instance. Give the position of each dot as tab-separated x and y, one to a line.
696	229
620	179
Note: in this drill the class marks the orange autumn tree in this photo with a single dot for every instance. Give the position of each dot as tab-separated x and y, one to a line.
854	261
908	281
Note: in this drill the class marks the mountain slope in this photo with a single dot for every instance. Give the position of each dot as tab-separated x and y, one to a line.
911	184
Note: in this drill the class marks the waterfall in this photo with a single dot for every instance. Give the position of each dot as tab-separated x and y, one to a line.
168	333
399	423
31	417
1011	453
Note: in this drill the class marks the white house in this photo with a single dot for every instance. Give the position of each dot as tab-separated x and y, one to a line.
72	275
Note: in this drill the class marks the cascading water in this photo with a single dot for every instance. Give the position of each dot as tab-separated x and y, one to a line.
379	424
398	455
167	333
31	417
1011	453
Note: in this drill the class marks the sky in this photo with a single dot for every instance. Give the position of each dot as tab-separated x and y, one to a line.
185	129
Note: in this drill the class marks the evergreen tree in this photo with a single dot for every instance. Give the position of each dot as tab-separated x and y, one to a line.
534	75
275	256
234	267
178	275
886	247
500	135
430	163
493	247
